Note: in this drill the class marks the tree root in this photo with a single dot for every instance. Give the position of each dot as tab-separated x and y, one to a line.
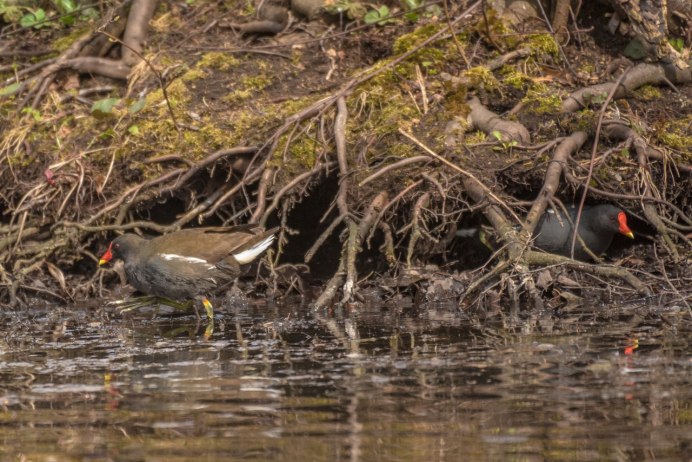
637	76
347	271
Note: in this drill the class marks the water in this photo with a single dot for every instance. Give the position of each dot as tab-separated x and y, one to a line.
284	383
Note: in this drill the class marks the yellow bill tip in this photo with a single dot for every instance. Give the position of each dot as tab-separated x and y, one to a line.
630	235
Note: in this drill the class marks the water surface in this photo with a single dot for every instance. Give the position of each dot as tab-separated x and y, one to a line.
284	383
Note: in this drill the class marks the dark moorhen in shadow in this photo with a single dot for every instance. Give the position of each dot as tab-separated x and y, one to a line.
597	227
189	264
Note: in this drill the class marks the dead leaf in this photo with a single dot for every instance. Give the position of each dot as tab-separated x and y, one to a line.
544	279
57	275
565	281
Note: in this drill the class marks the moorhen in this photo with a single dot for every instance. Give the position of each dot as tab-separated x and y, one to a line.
190	263
597	227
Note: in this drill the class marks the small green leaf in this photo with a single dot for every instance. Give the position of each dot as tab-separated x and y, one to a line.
371	17
89	13
379	16
104	107
434	10
677	43
65	6
411	4
635	49
10	89
108	133
33	18
133	130
337	7
33	113
137	106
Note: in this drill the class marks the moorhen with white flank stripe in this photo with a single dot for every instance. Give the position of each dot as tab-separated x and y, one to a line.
189	264
597	227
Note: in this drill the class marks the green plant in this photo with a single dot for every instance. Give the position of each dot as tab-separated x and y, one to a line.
10	13
352	10
414	9
37	18
34	18
66	8
104	107
677	43
380	16
506	145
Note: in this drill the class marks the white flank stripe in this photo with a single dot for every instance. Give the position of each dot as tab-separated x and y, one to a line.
466	232
172	256
246	256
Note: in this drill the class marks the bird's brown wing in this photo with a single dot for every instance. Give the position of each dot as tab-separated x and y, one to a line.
210	244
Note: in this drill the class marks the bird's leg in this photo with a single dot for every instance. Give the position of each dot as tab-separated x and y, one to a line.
209	308
209	330
157	309
210	315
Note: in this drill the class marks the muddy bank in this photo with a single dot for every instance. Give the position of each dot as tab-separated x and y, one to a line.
370	145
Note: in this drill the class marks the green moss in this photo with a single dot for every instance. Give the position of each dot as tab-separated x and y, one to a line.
481	77
178	95
407	42
542	44
587	68
676	135
514	78
476	137
238	96
384	109
300	155
64	42
584	120
256	82
649	93
193	74
501	31
540	99
455	101
248	87
430	58
402	150
248	9
217	60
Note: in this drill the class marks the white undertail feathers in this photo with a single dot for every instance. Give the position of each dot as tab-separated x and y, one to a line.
247	255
